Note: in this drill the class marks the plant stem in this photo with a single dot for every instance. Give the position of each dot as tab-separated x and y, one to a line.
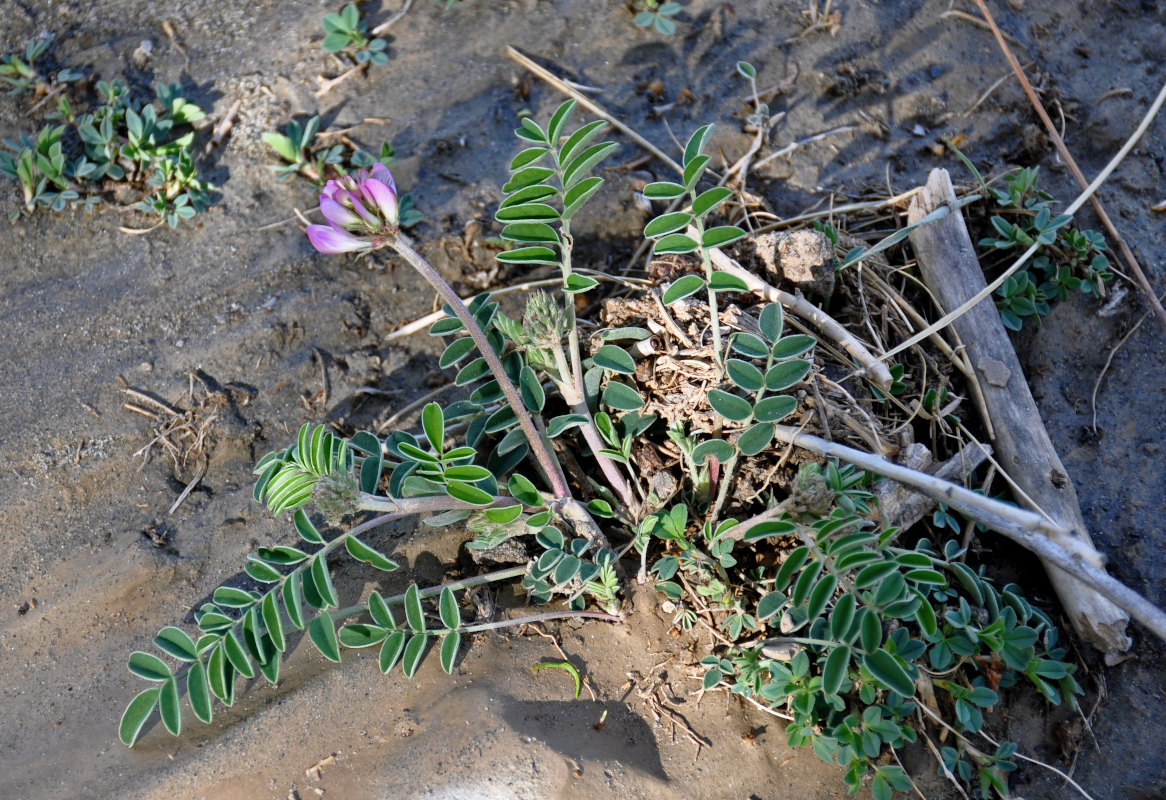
578	402
542	453
422	505
714	315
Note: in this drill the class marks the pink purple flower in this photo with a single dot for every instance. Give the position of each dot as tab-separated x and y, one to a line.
361	211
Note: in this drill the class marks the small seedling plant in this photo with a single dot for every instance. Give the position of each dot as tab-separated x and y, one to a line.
146	145
305	154
1070	259
655	14
347	33
848	627
20	73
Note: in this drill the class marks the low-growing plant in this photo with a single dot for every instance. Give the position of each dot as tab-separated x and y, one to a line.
656	14
1070	260
316	160
347	33
846	626
118	140
21	74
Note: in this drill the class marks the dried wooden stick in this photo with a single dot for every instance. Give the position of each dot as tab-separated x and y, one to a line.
1050	542
875	370
1126	253
947	261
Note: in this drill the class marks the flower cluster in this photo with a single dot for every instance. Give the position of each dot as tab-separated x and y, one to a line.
361	212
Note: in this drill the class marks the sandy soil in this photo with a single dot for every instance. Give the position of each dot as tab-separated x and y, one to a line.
267	322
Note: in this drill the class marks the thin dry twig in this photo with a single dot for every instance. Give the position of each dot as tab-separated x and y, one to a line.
1126	254
591	106
1109	360
393	20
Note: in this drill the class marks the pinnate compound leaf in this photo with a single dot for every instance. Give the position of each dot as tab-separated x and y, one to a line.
887	670
682	288
362	552
449	647
306	529
177	643
199	692
169	708
150	667
414	614
322	631
730	406
414	652
448	608
135	716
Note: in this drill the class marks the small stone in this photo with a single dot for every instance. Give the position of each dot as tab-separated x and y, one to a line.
145	366
799	259
994	371
668	607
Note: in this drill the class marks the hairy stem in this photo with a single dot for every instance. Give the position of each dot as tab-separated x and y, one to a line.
578	401
422	505
542	453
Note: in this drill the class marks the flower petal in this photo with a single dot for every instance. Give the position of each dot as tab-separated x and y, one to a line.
330	189
369	217
384	198
337	215
327	239
381	173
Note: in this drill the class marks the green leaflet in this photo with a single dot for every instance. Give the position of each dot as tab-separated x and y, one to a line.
322	631
362	552
135	716
168	707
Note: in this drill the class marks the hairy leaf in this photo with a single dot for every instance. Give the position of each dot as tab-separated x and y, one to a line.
322	631
135	716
